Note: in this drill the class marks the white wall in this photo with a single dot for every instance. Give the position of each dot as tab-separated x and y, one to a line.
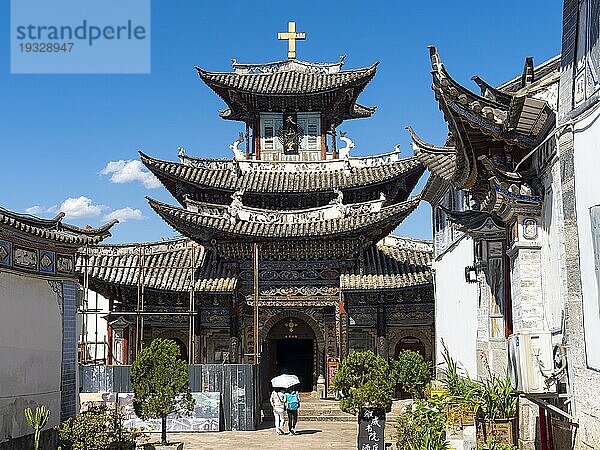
96	323
30	351
587	189
456	306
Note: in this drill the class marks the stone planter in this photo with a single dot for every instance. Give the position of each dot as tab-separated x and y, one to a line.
504	431
170	446
122	446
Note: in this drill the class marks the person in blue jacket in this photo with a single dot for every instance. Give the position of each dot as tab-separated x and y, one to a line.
292	405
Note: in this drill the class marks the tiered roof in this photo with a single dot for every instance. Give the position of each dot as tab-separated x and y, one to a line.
284	178
393	263
205	222
291	85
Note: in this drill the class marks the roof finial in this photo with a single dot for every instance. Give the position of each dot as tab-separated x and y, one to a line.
291	37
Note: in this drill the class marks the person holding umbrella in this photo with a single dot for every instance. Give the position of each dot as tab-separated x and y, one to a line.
278	404
278	398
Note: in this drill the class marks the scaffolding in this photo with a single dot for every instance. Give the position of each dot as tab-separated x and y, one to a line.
140	311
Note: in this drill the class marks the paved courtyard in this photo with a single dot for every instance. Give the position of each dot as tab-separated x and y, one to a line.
311	435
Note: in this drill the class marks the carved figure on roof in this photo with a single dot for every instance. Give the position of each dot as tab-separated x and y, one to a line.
235	147
345	151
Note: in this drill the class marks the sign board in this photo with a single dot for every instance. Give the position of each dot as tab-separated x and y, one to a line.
332	366
371	426
204	417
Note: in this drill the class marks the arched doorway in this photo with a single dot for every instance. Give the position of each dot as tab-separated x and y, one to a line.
410	343
183	351
291	348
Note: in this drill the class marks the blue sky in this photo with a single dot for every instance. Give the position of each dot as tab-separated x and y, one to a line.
57	132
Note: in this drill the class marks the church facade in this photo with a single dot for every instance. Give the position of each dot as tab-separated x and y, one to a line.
286	258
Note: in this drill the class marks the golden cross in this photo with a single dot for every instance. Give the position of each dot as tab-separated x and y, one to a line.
291	37
291	325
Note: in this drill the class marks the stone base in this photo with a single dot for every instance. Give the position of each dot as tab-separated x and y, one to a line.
171	446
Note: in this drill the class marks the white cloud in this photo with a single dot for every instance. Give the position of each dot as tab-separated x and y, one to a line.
74	208
126	171
36	209
78	208
124	214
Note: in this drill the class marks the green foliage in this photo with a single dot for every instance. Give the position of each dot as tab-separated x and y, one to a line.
492	445
413	372
37	421
422	426
496	400
120	434
463	391
87	431
491	398
364	380
97	429
160	383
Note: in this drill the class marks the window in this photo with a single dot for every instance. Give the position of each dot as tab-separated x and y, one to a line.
587	57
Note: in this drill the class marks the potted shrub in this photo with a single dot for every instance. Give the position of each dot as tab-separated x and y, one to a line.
366	384
161	386
122	438
413	373
87	431
496	412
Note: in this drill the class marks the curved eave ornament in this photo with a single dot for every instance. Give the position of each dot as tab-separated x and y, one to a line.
490	114
480	224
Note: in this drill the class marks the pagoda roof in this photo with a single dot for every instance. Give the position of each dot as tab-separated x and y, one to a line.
514	118
205	222
166	266
288	177
53	230
291	85
393	263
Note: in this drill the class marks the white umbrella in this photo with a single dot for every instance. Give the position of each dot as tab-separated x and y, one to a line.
285	381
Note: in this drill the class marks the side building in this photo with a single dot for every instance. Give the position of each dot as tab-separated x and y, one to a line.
286	258
497	210
578	135
39	296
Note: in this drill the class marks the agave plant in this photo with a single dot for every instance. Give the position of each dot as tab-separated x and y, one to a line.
496	399
37	420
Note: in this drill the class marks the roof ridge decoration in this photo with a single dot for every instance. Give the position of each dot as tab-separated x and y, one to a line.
206	223
336	209
287	65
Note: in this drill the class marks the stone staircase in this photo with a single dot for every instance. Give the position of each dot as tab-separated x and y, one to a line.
317	410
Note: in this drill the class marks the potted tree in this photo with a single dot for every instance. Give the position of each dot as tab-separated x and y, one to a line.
413	373
366	384
161	387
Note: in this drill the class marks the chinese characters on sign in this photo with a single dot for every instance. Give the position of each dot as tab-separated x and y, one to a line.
332	367
371	425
